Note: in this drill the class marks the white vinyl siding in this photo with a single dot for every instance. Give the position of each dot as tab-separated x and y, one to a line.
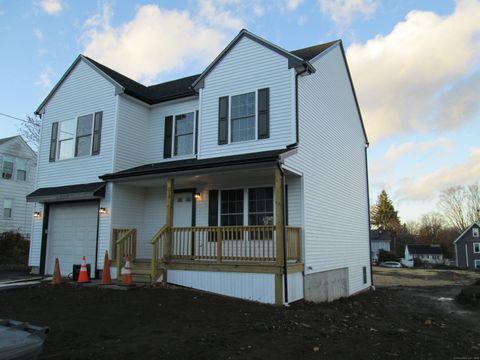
18	186
156	127
131	135
248	67
83	92
331	155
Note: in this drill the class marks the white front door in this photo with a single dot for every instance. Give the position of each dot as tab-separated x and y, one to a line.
182	217
182	209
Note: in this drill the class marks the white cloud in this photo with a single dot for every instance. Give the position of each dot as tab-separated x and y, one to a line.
52	7
293	4
427	186
158	40
343	12
301	20
403	78
441	146
44	80
38	34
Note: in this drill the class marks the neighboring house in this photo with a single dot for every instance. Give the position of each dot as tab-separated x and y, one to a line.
379	240
467	248
225	181
18	167
431	254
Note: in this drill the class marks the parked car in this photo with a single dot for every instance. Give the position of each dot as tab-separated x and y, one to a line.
391	264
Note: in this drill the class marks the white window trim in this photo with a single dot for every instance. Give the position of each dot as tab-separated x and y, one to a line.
26	169
475	232
475	266
13	168
174	122
230	117
57	155
476	243
246	209
11	208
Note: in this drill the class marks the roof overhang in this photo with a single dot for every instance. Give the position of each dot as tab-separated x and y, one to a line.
466	230
76	192
174	167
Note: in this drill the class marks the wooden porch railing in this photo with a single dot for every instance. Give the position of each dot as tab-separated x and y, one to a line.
125	245
223	243
158	243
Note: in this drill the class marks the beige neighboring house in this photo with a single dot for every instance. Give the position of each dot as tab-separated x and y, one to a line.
18	163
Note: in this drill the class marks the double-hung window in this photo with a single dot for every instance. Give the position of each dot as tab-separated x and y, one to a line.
476	248
7	167
7	208
76	137
260	206
242	114
83	142
184	127
231	207
21	169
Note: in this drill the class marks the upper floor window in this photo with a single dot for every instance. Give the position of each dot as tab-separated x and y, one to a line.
7	167
7	208
476	248
76	137
244	117
180	134
475	232
21	169
184	127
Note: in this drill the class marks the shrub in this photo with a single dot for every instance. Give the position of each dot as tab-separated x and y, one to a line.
13	250
386	256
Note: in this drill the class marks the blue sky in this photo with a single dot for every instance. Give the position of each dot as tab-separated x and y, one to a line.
415	66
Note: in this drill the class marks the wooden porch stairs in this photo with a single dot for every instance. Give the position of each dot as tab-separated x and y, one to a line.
142	271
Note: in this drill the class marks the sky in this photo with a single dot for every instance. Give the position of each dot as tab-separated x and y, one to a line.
415	67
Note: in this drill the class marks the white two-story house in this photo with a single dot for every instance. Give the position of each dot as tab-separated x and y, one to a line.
237	181
18	167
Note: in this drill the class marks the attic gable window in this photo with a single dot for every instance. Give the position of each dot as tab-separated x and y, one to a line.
7	167
475	232
21	169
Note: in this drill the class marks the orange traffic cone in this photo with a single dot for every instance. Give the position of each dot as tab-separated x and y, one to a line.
57	277
83	276
106	278
127	273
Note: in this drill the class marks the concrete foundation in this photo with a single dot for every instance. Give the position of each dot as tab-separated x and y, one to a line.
327	285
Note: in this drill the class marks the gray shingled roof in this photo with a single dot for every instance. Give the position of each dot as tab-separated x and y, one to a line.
4	140
425	249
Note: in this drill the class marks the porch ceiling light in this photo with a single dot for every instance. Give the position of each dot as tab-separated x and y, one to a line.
198	196
102	211
37	214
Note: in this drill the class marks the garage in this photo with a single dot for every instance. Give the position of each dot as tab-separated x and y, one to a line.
72	233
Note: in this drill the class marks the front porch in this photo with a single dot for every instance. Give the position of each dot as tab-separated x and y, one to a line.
204	233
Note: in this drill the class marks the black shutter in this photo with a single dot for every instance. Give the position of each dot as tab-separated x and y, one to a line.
212	213
223	120
263	113
167	139
53	142
97	133
196	132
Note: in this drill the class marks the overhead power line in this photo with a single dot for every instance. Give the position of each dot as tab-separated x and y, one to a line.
14	118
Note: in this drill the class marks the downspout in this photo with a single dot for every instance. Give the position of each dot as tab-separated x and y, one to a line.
368	211
297	126
284	233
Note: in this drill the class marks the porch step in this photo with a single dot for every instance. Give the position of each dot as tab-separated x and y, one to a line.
142	271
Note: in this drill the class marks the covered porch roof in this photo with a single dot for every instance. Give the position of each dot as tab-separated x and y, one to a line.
246	162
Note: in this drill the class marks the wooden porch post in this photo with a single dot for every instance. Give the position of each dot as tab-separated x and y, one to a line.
167	249
279	236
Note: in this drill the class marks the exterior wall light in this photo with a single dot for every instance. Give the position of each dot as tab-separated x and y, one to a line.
102	211
198	196
37	214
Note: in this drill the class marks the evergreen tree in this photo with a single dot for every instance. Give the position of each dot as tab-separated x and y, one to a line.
384	215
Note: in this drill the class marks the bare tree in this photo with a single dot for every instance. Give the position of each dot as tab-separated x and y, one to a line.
431	226
461	205
30	130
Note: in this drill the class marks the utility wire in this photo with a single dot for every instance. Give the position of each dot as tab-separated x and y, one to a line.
14	118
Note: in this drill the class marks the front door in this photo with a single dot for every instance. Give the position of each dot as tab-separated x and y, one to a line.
182	217
182	209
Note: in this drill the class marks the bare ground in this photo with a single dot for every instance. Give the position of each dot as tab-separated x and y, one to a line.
175	323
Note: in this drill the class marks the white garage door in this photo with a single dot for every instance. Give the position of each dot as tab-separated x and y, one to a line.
72	233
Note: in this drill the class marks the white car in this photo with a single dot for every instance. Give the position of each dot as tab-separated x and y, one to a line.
391	264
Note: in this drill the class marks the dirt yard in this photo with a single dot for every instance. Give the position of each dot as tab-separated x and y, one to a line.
422	277
174	323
